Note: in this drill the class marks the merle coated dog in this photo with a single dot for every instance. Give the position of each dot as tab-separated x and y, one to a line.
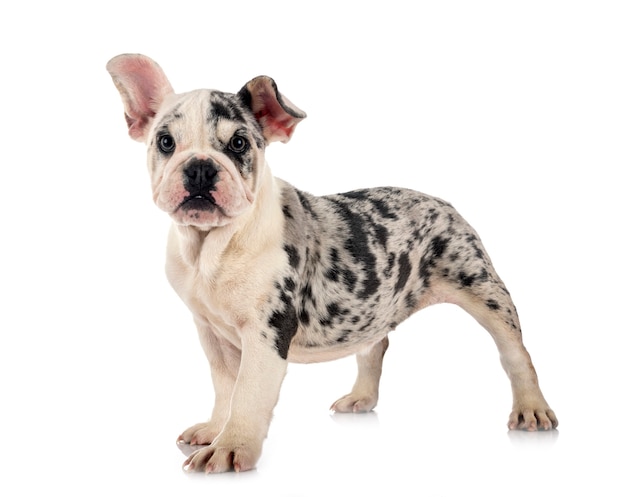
273	274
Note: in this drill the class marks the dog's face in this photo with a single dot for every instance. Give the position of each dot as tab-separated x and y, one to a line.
205	147
205	155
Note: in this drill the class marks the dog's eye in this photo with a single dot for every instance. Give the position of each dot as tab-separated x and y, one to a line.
238	144
166	144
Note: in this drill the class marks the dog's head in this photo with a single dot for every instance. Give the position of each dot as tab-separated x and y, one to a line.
205	147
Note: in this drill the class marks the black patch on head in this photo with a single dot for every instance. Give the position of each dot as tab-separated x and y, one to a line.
243	158
404	271
220	110
285	322
225	106
229	107
245	97
172	116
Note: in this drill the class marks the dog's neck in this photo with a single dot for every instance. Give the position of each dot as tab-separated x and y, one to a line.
254	230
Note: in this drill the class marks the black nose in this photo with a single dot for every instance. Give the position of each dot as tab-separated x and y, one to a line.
200	175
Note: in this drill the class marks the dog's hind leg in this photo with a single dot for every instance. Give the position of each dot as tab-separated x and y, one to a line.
490	304
364	395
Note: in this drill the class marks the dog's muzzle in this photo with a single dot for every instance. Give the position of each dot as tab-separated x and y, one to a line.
199	178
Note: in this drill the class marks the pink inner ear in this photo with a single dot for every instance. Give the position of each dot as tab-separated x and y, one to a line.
146	87
143	86
280	131
137	127
278	124
275	127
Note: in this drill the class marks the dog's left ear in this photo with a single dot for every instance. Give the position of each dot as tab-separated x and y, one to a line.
277	116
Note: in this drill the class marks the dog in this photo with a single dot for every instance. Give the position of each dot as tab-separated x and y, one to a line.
273	274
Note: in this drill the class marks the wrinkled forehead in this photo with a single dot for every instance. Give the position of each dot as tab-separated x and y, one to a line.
208	107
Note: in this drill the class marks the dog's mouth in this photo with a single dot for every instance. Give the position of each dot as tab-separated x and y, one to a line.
198	202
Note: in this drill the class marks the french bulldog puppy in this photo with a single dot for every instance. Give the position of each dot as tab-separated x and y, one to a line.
273	274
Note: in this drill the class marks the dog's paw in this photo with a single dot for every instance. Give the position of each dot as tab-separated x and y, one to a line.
224	456
200	434
532	419
354	403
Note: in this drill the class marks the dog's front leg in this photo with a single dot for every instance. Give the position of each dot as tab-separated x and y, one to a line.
224	360
238	445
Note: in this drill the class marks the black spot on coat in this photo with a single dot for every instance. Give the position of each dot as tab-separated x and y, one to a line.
466	279
306	205
285	322
436	249
294	256
438	246
493	305
358	247
404	271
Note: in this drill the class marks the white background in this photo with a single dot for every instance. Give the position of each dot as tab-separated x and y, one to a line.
513	111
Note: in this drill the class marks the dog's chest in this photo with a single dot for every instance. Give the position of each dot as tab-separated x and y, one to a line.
235	295
208	309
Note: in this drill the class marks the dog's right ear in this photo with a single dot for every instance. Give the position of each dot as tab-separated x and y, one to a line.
143	86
